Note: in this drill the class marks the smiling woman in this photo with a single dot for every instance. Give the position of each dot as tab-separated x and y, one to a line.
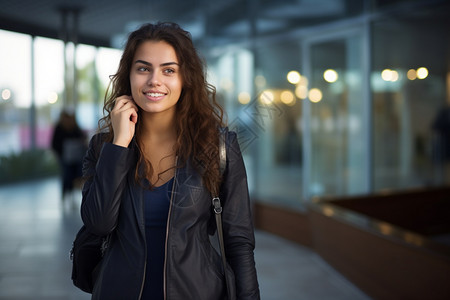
152	171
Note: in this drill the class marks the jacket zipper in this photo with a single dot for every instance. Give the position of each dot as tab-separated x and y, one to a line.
145	262
167	229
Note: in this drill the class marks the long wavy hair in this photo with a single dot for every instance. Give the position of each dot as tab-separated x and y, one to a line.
198	115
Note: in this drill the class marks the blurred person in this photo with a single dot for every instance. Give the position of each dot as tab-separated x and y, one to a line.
150	175
441	144
69	144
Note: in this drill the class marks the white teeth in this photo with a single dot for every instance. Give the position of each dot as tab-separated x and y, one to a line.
154	94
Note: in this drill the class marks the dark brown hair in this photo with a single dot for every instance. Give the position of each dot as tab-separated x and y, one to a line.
198	115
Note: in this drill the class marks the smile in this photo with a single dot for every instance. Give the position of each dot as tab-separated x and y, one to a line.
154	94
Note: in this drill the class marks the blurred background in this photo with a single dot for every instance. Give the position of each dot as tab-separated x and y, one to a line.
342	108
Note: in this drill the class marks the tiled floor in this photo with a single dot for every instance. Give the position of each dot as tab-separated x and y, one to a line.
36	233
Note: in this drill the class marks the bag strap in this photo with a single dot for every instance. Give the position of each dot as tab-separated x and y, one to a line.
218	207
222	151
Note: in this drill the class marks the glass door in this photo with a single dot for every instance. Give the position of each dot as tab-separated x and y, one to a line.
336	116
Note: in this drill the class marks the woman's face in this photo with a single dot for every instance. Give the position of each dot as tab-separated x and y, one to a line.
155	77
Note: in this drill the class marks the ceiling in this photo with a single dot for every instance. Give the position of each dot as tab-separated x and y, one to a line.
222	22
106	22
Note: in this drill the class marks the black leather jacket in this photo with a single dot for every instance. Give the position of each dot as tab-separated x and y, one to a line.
113	203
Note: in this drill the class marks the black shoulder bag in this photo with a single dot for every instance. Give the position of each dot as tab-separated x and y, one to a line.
86	253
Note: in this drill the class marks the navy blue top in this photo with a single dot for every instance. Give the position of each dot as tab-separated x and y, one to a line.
156	212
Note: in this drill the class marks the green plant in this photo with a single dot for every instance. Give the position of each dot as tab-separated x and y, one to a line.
26	165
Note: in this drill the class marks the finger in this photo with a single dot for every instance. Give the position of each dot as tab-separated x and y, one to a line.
127	105
121	101
134	117
128	109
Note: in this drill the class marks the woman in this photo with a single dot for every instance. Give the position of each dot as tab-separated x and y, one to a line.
150	175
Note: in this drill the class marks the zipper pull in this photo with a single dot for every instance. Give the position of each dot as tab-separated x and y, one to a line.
216	205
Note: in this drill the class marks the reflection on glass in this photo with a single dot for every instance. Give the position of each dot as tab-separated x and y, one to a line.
328	211
385	228
337	156
404	144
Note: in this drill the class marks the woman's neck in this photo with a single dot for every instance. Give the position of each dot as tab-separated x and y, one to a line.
158	127
158	137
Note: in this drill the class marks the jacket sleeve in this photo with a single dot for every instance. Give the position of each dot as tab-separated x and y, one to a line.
105	169
237	222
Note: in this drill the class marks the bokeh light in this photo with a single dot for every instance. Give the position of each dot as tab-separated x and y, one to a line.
422	73
411	74
260	81
6	94
52	97
330	75
267	97
301	92
244	98
315	95
293	77
287	97
389	75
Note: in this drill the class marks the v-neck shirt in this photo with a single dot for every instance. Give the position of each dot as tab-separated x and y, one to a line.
157	201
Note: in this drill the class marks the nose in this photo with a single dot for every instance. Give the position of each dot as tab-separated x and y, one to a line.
153	79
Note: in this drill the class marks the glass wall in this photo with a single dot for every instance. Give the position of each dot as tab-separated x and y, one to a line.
49	89
359	115
94	67
335	115
88	89
411	60
15	85
278	123
234	87
35	87
34	91
261	106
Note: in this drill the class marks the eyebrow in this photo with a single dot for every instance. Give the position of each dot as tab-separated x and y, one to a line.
149	64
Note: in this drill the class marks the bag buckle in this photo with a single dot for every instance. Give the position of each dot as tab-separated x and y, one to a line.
216	205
